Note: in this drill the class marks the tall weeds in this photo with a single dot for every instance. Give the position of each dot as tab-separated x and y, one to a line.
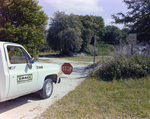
122	66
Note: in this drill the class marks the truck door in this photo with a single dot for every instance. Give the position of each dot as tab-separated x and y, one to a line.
23	78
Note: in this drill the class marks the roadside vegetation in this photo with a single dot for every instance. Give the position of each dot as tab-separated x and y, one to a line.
122	66
96	98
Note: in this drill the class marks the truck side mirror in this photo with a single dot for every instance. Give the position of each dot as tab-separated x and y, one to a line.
32	60
29	65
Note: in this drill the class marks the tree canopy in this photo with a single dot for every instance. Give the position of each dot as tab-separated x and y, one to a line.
137	18
65	32
124	36
113	35
92	25
22	21
73	32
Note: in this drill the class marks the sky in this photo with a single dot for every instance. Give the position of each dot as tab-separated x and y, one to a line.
103	8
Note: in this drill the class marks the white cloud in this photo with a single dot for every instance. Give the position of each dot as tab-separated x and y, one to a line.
76	6
108	21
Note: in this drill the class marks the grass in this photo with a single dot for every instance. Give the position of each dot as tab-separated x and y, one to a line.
80	60
49	54
96	99
84	58
103	49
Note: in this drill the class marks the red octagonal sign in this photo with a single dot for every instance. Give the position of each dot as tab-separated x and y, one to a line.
67	68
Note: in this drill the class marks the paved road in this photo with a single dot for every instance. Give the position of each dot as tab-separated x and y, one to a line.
30	106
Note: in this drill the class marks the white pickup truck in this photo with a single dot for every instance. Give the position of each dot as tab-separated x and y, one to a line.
21	75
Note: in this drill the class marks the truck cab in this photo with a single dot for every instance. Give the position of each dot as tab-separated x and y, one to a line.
21	75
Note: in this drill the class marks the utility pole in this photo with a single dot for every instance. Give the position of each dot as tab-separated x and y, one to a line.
94	52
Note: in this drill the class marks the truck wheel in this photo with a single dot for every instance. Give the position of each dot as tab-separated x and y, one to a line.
47	89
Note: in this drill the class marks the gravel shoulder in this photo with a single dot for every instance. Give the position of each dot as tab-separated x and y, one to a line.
30	106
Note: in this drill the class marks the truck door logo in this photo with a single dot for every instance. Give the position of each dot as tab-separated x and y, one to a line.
24	78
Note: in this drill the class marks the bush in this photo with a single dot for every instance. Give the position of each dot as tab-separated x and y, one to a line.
89	50
45	48
111	48
122	67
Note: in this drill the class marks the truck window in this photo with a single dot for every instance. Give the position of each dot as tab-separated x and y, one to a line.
16	55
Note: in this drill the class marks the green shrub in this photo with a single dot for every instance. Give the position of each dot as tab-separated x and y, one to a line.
89	50
111	48
121	67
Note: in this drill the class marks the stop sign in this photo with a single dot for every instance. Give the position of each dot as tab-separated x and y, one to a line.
67	68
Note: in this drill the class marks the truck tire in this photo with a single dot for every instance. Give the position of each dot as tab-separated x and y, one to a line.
47	89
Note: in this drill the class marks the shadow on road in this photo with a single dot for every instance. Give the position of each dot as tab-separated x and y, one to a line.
11	104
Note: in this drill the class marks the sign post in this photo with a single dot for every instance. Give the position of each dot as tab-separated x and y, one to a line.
132	40
67	68
94	52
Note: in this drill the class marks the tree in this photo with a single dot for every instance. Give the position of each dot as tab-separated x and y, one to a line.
73	32
112	35
86	36
124	37
45	47
137	19
64	33
23	22
93	25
